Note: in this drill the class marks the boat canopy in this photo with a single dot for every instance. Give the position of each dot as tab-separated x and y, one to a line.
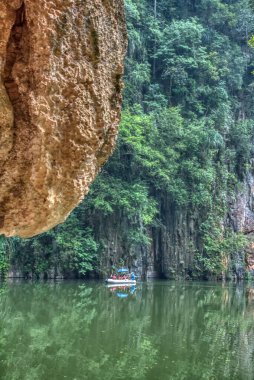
123	270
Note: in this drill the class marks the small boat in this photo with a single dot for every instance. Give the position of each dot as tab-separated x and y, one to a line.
120	285
111	281
130	280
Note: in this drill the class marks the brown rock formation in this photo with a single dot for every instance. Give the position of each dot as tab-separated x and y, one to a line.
61	63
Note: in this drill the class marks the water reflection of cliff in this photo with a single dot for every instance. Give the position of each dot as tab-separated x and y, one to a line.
166	330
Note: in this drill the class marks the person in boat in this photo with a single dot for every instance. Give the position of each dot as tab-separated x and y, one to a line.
114	277
132	276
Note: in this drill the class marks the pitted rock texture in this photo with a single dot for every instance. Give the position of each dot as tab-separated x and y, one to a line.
61	63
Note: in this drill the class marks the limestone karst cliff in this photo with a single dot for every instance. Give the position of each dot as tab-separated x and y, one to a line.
61	64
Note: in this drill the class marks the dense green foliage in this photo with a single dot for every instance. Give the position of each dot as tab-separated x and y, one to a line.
185	141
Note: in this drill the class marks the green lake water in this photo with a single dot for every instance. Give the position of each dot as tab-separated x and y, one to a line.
156	331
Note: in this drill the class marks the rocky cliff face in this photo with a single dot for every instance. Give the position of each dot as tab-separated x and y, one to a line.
176	239
61	64
241	217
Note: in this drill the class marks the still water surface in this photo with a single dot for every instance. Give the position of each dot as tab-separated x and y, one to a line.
158	331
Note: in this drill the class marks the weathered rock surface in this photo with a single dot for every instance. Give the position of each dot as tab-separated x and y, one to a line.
242	215
242	210
61	63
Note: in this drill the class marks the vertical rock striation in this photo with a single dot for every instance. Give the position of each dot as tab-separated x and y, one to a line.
241	217
61	63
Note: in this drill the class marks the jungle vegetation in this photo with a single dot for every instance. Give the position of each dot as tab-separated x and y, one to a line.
185	139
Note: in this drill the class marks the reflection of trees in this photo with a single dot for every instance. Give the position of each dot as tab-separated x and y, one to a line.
65	332
40	327
205	332
166	330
